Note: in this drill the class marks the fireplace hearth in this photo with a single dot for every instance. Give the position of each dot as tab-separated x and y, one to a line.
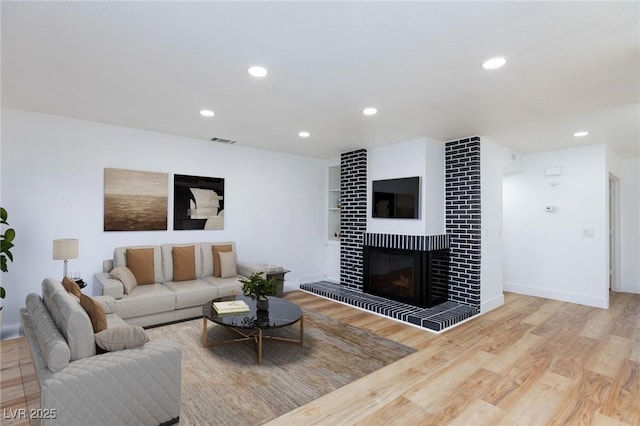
414	277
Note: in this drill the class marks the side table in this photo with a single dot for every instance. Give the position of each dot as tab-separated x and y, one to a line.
277	273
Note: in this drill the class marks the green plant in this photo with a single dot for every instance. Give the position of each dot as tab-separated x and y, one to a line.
257	286
6	243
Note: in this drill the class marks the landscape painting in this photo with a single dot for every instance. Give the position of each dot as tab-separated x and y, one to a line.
135	200
198	202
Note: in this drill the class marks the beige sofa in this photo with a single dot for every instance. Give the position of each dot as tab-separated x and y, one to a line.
167	300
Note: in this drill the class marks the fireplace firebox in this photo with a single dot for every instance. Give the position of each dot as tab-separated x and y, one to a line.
419	278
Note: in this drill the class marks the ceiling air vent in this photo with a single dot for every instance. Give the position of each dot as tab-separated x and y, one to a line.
221	140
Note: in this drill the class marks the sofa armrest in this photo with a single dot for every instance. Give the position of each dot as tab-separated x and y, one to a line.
105	286
108	303
133	386
246	269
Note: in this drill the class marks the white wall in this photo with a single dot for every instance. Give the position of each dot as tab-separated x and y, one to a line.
53	181
494	159
419	157
546	254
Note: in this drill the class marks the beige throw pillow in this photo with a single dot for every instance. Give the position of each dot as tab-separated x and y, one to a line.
228	266
184	263
140	262
95	311
216	258
121	337
71	286
125	276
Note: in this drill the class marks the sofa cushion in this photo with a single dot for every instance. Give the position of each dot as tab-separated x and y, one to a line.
122	337
216	250
113	320
184	263
95	311
140	262
145	300
125	276
71	286
192	293
167	260
70	318
206	253
120	259
228	266
53	346
226	286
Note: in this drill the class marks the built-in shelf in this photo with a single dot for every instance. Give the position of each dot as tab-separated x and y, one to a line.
333	203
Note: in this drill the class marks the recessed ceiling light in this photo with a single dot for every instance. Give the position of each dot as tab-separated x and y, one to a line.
304	134
258	71
493	63
580	134
207	113
370	111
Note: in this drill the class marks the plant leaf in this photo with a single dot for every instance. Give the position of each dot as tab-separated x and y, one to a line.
2	293
3	215
9	234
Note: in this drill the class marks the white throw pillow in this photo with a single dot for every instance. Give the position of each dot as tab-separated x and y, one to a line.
228	266
121	337
126	277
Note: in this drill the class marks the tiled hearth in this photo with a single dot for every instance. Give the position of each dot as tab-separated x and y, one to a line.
437	318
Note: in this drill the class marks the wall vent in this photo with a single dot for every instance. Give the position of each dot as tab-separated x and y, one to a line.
221	140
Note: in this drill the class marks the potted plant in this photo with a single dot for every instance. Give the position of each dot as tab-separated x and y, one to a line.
258	288
6	243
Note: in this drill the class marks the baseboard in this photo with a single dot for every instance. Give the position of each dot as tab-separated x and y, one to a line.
491	304
10	331
294	285
304	279
548	293
635	289
290	286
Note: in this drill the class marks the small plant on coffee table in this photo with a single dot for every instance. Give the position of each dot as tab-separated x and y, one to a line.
258	288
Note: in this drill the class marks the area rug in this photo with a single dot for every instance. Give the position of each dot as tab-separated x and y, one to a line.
224	385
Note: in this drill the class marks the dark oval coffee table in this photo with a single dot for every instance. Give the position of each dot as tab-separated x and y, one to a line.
252	325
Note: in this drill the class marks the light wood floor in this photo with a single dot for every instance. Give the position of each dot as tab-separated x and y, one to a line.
531	362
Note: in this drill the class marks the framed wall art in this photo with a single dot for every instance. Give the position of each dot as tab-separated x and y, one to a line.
198	202
135	200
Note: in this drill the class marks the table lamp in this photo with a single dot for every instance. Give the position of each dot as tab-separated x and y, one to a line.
65	249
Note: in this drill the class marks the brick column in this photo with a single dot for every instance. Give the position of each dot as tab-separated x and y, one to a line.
463	220
353	215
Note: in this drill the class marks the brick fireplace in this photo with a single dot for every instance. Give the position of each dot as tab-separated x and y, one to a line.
462	241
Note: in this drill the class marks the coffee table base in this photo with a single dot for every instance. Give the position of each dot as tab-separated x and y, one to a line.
256	335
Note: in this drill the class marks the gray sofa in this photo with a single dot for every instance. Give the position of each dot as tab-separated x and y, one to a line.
138	386
167	300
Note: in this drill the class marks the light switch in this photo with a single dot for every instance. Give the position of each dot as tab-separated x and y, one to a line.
589	233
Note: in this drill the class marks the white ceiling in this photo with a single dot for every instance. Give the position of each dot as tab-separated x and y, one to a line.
155	65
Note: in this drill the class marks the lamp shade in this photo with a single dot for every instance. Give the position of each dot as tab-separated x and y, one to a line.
65	249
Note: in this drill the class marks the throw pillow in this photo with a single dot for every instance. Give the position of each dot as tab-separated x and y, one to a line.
184	263
125	276
140	262
216	258
121	337
95	311
71	286
228	267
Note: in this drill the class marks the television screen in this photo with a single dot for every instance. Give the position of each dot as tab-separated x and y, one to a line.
396	198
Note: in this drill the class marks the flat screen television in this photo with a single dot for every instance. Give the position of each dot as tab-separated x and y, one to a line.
396	198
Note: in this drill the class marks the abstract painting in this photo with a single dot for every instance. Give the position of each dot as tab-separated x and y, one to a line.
135	201
198	202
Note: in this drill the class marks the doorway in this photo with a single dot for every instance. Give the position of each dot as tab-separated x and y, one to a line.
614	232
